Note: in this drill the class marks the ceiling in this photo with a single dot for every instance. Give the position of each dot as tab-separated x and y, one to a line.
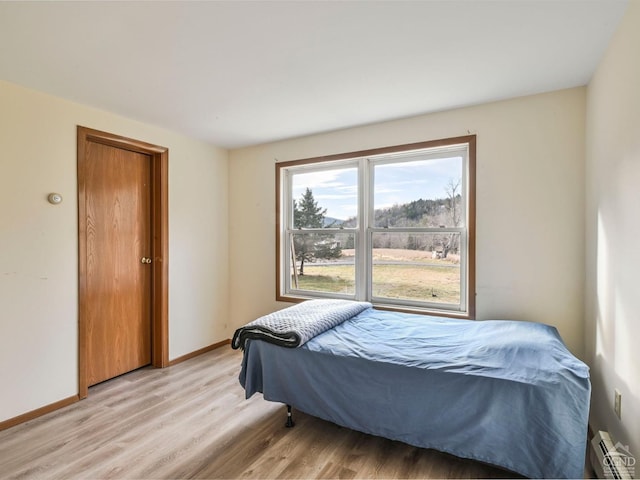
238	73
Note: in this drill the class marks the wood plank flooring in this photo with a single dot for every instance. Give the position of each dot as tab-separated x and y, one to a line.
191	421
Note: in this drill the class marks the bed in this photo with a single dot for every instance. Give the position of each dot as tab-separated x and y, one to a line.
507	393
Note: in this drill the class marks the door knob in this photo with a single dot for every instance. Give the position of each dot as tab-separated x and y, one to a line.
145	260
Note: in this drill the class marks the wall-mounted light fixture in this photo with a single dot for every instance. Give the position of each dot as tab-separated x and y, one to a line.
54	198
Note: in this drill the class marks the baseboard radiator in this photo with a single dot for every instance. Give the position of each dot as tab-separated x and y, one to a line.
609	460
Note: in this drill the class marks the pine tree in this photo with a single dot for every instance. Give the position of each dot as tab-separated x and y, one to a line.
307	213
310	246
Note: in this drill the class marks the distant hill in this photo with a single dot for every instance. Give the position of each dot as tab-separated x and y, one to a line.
332	222
419	213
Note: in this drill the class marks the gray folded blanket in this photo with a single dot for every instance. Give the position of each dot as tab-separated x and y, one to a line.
294	326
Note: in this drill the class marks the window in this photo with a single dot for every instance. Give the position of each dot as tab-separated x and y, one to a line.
394	226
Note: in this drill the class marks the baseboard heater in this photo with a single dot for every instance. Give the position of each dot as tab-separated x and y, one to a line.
609	460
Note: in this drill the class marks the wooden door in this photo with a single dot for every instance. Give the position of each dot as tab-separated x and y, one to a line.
122	218
118	249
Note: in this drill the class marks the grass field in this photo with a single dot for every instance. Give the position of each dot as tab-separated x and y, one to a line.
421	278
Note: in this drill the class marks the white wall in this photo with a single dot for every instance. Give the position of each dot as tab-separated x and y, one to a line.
530	206
38	243
613	234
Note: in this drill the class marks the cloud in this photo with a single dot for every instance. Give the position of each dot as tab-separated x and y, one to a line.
322	179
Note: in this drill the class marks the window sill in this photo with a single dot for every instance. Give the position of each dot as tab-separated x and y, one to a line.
390	308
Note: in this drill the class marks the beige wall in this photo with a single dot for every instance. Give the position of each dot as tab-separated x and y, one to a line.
38	243
530	206
612	294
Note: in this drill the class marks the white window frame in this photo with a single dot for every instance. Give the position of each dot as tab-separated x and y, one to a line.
365	162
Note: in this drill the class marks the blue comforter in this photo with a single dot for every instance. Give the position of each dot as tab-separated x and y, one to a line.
503	392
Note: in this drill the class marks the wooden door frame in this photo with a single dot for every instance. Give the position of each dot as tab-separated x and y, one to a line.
159	240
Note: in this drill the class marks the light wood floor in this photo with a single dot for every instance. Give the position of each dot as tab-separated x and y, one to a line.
192	421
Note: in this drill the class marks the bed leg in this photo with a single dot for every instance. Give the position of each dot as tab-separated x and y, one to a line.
290	423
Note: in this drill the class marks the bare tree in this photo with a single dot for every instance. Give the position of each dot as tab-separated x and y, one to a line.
454	211
453	198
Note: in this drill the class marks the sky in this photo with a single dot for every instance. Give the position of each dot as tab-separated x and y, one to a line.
394	183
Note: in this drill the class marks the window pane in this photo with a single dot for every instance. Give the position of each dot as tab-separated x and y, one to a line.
417	266
422	193
325	262
325	198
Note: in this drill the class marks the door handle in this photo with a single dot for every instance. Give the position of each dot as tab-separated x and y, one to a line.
145	260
